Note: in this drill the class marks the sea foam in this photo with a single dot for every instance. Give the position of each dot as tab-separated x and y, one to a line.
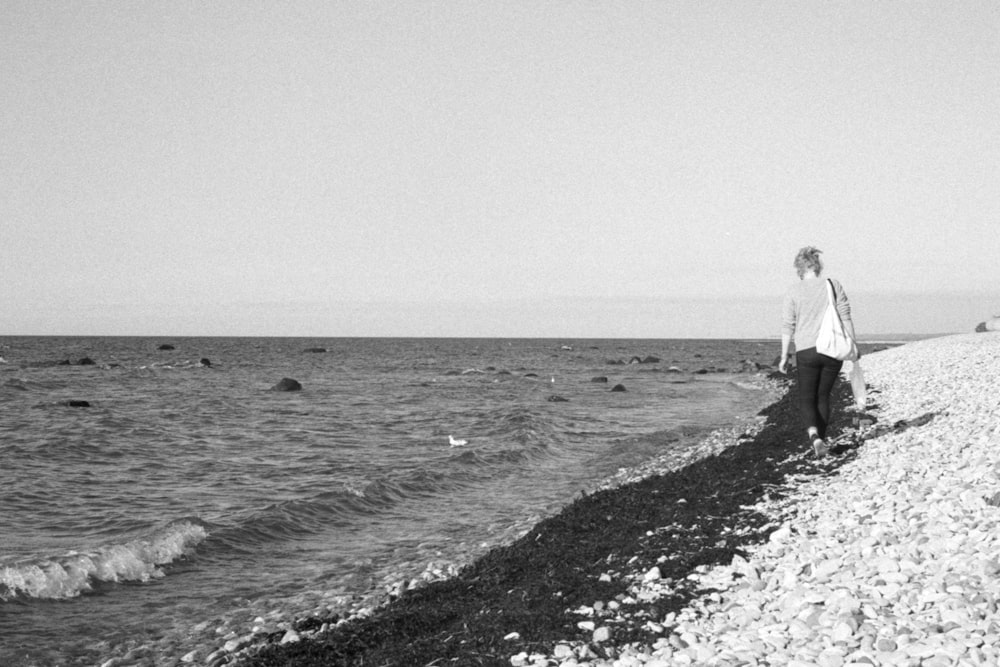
73	574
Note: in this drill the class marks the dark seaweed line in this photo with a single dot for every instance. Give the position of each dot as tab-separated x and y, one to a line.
526	587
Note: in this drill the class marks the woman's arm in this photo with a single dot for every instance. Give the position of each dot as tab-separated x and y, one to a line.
849	326
788	318
786	342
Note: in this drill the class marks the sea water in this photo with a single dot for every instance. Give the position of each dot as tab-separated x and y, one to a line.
187	498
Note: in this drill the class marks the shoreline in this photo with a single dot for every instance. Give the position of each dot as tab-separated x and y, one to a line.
471	618
886	554
274	622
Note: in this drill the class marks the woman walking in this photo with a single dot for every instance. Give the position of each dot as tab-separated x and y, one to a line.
803	309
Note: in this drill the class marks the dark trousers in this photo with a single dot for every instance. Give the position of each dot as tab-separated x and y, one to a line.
817	375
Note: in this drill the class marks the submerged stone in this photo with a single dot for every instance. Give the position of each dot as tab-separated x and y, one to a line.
287	384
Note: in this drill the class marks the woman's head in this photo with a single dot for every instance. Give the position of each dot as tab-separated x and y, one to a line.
808	260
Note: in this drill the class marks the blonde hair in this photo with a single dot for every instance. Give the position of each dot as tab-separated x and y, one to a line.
808	260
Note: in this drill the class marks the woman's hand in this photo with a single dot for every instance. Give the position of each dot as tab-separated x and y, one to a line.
783	365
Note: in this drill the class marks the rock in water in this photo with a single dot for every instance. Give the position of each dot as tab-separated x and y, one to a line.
165	346
77	404
619	387
287	384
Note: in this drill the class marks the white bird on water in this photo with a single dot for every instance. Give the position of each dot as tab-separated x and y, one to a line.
456	443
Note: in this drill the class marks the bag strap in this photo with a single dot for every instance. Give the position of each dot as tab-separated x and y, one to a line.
831	293
832	297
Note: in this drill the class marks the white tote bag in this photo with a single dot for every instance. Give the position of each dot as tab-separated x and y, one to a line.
833	340
858	388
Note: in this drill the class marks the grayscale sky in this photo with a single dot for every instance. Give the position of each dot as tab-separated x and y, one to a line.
490	168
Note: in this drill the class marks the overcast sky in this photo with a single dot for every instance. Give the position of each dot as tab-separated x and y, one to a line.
489	168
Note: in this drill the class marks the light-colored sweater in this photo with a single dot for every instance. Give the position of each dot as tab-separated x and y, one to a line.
803	309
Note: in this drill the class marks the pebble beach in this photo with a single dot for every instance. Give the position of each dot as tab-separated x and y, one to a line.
892	560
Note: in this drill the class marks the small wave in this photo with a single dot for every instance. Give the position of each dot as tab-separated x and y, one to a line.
75	573
748	385
23	384
521	425
292	519
16	383
483	463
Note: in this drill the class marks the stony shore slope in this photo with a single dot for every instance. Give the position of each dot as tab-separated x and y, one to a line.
895	560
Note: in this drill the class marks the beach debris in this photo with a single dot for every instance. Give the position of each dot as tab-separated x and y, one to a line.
557	399
457	442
